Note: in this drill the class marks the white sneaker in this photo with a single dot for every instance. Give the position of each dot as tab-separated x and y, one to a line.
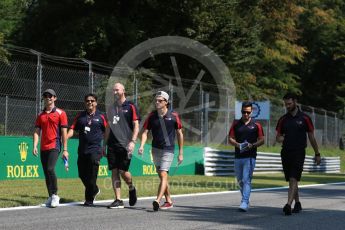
55	201
48	202
244	207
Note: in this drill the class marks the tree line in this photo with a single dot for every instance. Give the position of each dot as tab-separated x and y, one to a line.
269	46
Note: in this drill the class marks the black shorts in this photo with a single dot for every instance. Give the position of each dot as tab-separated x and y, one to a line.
293	162
118	158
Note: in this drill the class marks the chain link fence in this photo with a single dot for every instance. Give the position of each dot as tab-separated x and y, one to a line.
29	73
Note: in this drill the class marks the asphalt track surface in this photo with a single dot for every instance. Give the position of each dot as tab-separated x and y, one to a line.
323	208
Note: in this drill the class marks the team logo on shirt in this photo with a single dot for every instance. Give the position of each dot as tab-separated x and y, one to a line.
251	127
299	122
168	118
116	119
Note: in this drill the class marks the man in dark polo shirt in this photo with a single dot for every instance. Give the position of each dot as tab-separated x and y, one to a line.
51	125
246	135
123	119
90	125
292	130
163	125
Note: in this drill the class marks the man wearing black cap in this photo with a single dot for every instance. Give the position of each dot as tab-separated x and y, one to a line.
51	124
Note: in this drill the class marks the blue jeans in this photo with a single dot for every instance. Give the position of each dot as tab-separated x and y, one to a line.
244	168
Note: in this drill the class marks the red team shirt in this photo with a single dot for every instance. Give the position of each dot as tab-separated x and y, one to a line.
50	125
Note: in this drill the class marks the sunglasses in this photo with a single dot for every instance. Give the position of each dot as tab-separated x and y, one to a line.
47	95
159	100
92	101
245	112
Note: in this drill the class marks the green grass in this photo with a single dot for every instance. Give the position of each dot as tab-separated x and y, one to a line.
33	192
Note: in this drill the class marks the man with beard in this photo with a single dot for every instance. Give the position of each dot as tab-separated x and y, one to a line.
90	125
123	119
51	124
292	130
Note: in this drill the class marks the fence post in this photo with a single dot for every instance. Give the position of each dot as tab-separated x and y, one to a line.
6	115
207	104
227	123
325	128
38	81
135	90
89	63
336	130
171	92
201	102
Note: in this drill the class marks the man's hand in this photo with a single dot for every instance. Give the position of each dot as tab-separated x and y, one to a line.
317	159
130	147
35	152
141	150
65	154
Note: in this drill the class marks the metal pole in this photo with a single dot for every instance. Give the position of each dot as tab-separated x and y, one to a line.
89	63
201	99
336	136
136	89
38	82
325	128
207	102
227	114
171	91
6	115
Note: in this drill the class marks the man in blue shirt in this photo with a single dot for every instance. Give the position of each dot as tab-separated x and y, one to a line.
163	125
246	135
90	125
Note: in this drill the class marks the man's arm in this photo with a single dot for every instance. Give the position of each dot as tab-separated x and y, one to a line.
64	143
180	145
315	147
36	137
259	142
132	142
70	133
143	141
234	142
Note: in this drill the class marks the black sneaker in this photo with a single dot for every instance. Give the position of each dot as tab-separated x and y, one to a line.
116	204
297	208
155	205
287	210
132	197
88	203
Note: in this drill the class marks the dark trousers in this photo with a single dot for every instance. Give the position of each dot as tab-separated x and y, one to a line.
48	160
88	165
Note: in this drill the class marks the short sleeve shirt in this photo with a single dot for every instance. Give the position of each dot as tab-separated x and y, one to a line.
294	129
242	132
91	128
50	125
120	120
163	129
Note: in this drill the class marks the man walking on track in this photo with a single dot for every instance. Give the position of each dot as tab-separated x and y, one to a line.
91	126
292	129
51	124
123	119
163	124
246	135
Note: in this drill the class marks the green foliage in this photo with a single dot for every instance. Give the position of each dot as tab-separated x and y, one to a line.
269	46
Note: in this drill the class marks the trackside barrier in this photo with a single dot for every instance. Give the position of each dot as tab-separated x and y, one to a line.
221	163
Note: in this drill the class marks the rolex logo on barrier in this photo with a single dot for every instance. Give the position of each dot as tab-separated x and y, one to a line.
23	150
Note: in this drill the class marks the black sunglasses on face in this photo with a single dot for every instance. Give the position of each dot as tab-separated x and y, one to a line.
245	112
90	101
160	101
47	95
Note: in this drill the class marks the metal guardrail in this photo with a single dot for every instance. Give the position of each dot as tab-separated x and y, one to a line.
221	163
